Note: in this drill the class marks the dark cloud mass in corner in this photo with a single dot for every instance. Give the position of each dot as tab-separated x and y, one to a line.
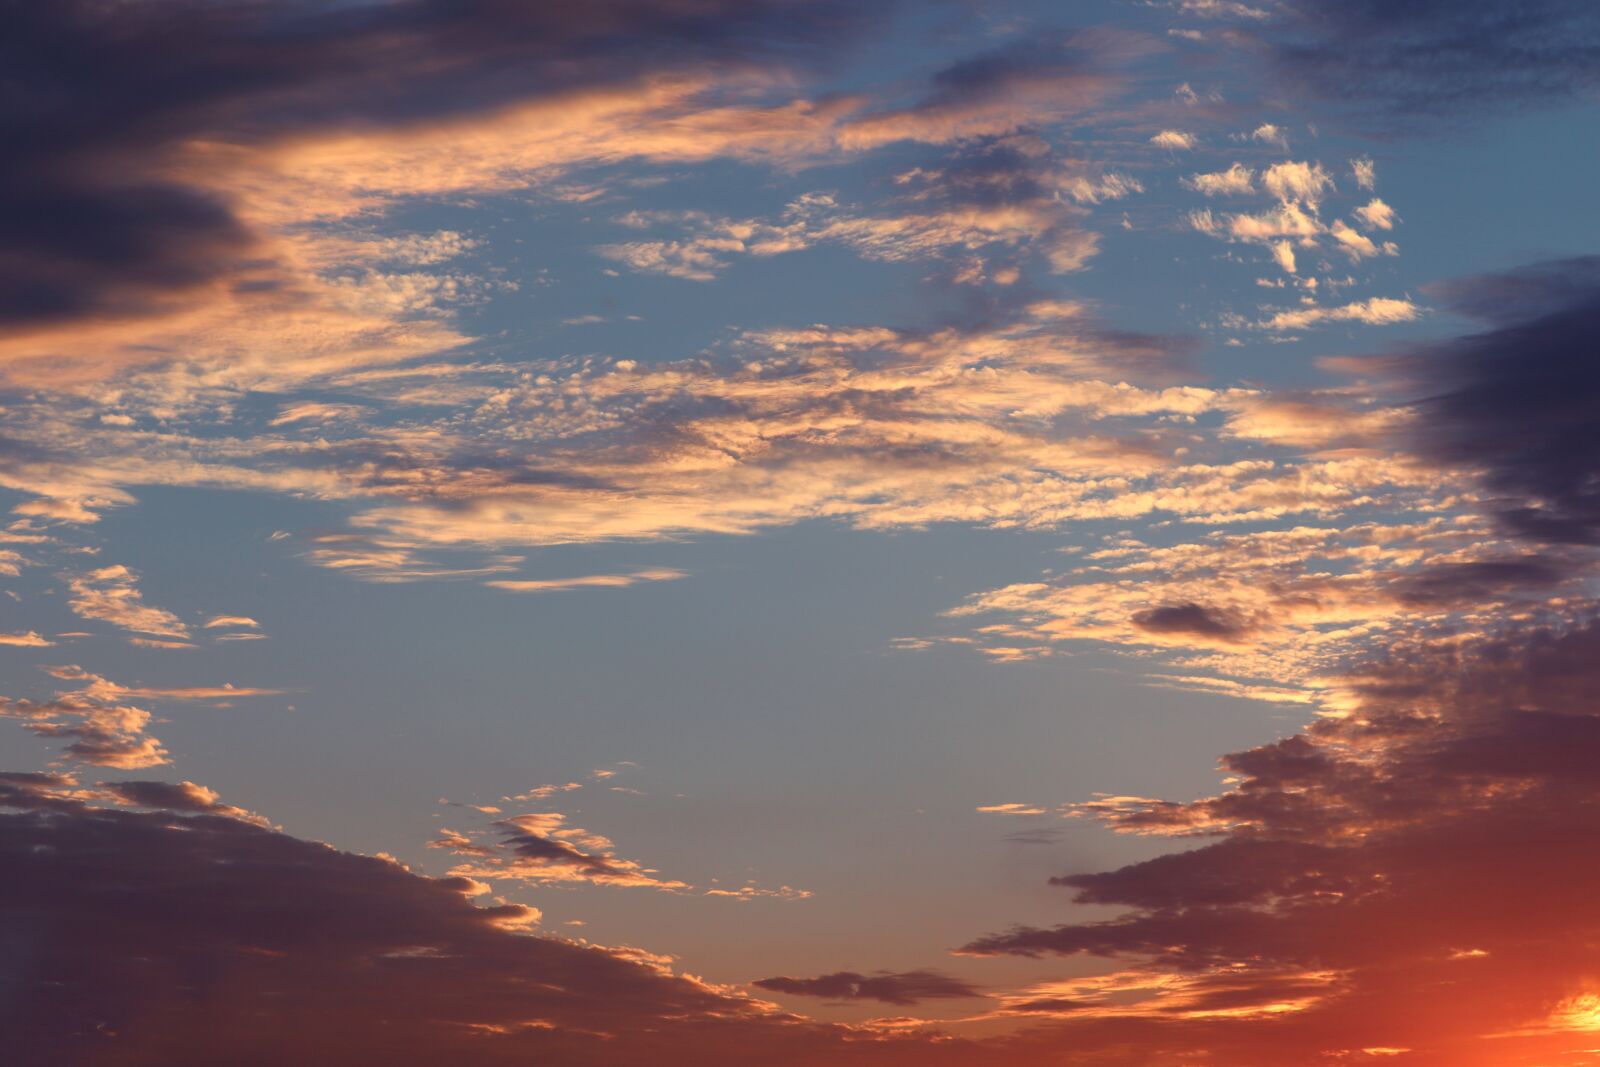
94	96
1450	820
1411	63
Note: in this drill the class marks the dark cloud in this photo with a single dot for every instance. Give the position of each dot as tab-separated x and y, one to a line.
1518	401
142	937
95	94
1417	61
1191	618
1412	876
1478	582
890	987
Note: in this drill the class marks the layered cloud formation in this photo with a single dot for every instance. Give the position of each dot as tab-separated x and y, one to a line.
278	251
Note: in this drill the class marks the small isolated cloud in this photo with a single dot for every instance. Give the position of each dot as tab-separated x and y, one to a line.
218	622
1365	173
26	639
1175	140
1010	809
1267	133
588	581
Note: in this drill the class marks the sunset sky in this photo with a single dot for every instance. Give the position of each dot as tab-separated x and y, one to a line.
771	532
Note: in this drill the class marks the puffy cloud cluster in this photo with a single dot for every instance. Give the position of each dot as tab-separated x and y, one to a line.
1295	223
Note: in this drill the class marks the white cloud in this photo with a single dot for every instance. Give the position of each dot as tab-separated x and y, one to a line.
1376	215
1176	140
1378	311
1297	181
1237	180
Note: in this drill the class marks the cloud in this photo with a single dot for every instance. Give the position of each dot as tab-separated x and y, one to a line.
187	797
989	197
198	256
1305	182
25	639
1277	614
1176	140
231	622
1358	245
1191	618
140	93
1295	221
999	93
1376	215
902	988
588	581
307	954
99	724
541	847
1514	402
111	594
1237	180
106	735
1362	881
1218	9
1267	133
1374	311
861	424
1404	65
1010	809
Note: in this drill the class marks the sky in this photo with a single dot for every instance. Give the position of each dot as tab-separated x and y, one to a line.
718	532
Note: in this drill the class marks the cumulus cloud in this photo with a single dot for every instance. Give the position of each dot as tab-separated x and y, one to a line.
1376	215
1306	182
1176	140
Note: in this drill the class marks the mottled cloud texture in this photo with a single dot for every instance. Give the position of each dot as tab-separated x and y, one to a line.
1123	312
